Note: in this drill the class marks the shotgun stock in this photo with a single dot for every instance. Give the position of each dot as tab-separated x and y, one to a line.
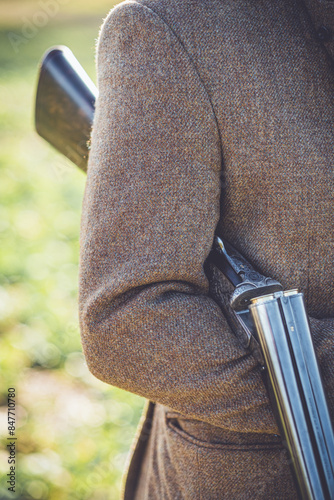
65	104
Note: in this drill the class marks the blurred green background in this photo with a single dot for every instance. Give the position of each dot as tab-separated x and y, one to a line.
73	431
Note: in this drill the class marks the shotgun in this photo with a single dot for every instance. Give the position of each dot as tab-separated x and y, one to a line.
65	104
272	319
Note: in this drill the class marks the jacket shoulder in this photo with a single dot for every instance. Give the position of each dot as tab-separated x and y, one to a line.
125	16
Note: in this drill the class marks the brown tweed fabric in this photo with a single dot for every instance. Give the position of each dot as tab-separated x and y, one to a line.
211	114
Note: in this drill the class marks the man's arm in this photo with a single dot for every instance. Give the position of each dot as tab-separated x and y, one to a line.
150	210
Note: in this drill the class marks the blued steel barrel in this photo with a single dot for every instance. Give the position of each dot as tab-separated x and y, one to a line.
284	334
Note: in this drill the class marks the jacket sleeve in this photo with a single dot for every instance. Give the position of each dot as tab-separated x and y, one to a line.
151	205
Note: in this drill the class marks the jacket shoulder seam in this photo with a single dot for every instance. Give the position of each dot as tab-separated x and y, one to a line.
184	50
193	66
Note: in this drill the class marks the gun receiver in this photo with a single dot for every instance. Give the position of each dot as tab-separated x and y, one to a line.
277	320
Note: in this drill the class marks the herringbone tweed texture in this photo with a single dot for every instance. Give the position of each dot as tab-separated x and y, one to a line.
212	115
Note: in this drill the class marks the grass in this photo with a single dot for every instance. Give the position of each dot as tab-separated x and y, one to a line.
73	431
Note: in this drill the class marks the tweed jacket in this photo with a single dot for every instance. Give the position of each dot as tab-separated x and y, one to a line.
213	115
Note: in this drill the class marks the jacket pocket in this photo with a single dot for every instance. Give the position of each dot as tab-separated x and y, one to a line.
210	469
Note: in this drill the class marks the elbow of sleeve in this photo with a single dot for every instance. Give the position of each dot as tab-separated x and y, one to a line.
97	339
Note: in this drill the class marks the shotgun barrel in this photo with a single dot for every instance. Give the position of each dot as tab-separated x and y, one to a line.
282	327
277	321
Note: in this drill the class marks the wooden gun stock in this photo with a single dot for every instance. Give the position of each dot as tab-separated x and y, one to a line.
65	104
